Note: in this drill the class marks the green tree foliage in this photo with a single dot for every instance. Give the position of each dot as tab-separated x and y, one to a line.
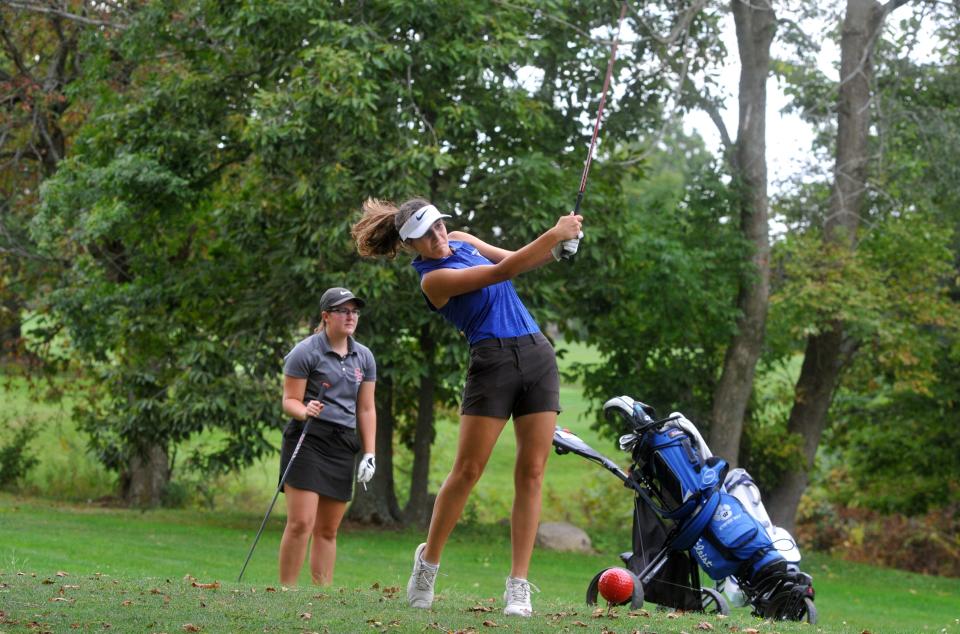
661	330
208	199
895	293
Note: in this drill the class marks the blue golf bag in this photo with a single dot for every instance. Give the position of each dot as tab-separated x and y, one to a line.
683	517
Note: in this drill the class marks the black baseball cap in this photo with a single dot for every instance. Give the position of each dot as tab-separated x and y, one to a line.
336	296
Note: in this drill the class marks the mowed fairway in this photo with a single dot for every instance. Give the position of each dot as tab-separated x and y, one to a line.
135	571
78	566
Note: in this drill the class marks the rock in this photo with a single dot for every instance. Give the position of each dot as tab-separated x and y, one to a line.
564	537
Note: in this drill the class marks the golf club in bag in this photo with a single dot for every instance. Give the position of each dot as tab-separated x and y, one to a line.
283	478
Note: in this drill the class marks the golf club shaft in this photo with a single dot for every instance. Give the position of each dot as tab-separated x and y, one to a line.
603	101
283	478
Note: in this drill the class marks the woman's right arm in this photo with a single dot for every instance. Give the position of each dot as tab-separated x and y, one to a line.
293	391
442	284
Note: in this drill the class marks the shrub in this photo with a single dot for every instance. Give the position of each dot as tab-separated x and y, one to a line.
15	456
928	543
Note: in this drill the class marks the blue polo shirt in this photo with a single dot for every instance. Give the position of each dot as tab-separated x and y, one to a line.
492	311
314	360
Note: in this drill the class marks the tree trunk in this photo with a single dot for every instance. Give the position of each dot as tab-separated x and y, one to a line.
756	27
812	397
419	506
146	477
827	353
379	504
10	326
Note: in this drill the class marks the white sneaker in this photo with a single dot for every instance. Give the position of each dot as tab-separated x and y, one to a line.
420	586
517	597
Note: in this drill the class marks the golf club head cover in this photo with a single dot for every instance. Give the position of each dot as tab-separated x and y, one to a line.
366	468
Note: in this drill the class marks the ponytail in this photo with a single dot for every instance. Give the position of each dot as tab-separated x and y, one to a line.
376	232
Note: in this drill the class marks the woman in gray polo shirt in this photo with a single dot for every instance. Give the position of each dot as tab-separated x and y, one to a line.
328	377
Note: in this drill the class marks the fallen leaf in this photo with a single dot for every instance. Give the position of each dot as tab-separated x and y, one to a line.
189	577
751	630
673	615
703	625
269	589
865	632
206	586
61	599
190	627
640	612
155	591
489	623
306	616
598	613
69	587
374	622
481	608
127	602
61	573
579	624
47	582
375	586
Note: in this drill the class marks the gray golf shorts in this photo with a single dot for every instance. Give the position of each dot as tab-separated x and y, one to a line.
511	376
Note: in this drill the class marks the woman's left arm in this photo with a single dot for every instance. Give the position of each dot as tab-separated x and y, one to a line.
493	253
367	417
489	251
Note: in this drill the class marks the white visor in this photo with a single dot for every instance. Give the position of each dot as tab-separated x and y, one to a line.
420	222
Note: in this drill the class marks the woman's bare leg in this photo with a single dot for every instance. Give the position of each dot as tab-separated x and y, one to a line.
323	552
478	435
534	434
301	514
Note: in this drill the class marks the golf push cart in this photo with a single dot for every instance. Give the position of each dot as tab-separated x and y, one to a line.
690	515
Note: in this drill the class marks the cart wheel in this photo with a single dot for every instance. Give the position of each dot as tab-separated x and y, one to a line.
713	602
799	609
809	611
593	591
594	588
636	601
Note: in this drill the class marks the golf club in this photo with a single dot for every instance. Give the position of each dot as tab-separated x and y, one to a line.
603	101
283	478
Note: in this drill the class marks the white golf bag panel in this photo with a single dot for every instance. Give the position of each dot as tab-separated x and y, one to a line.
740	485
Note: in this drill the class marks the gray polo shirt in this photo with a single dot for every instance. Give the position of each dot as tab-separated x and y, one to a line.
313	359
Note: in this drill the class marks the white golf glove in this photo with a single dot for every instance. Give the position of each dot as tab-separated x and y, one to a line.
566	249
368	466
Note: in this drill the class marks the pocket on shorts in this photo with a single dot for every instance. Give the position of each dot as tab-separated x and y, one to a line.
351	439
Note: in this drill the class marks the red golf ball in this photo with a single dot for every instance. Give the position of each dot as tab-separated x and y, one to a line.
616	585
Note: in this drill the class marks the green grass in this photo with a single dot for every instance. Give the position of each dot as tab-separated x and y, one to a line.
151	558
134	569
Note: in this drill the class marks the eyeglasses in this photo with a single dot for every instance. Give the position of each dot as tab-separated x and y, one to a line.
345	311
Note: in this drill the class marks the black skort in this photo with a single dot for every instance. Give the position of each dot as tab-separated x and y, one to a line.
325	461
511	376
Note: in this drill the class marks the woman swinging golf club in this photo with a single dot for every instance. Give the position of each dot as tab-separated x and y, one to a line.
512	372
328	377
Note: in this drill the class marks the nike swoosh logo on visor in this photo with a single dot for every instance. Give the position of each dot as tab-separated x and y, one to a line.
344	292
420	215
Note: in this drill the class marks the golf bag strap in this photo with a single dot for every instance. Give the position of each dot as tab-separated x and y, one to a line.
689	534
